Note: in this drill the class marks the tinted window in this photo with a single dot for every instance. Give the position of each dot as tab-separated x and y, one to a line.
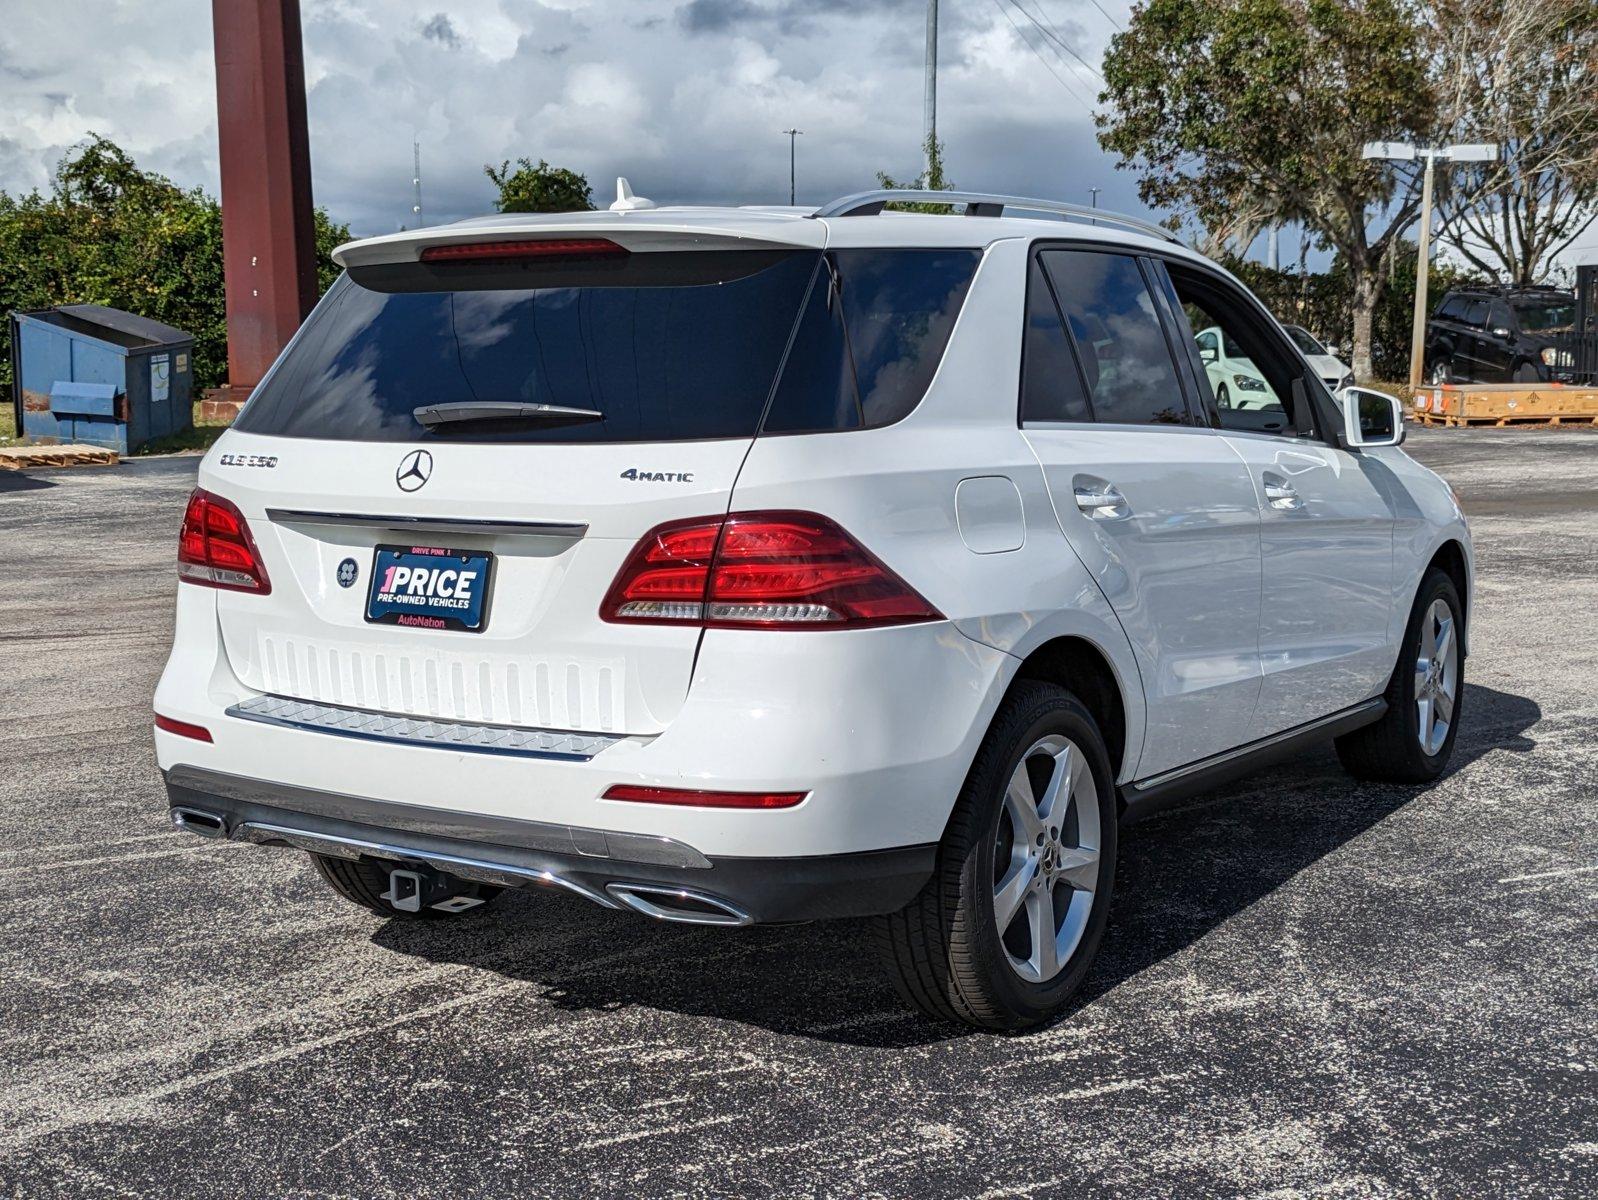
1546	316
1119	340
665	346
1453	307
873	333
1476	313
1051	383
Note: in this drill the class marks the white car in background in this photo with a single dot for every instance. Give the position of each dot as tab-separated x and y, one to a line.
730	565
1334	373
1235	380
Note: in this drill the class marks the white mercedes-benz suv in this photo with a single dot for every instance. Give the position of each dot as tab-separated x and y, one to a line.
765	565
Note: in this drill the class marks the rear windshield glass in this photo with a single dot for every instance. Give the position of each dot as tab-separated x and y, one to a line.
653	347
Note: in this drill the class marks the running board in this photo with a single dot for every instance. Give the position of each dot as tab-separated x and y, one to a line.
1159	792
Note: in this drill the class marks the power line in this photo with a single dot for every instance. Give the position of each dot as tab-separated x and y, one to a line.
1048	66
1119	28
1049	33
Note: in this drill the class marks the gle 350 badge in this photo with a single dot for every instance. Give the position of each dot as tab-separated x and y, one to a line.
429	587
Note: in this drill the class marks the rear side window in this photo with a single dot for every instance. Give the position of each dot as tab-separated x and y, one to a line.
1051	383
664	347
1453	308
1125	358
874	329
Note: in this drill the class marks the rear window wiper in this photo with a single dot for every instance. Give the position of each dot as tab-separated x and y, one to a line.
436	416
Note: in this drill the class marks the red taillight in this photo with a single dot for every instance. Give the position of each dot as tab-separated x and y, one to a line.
215	547
760	570
701	799
509	251
182	728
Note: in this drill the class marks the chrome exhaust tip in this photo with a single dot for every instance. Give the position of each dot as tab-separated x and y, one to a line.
682	905
198	821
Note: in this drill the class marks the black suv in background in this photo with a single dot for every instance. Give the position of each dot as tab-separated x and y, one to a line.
1499	335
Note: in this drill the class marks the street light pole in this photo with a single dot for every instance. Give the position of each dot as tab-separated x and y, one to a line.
929	98
1406	152
1094	193
793	137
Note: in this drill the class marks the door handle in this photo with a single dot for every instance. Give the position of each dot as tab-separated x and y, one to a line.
1281	494
1100	500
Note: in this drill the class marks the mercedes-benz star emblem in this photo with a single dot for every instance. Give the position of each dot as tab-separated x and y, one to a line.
414	470
347	571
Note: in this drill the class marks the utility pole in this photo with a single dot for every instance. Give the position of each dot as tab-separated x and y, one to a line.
1094	193
793	137
268	230
1406	152
929	114
416	182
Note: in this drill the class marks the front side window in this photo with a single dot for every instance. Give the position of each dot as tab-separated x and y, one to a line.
1119	341
1247	368
1305	341
1476	314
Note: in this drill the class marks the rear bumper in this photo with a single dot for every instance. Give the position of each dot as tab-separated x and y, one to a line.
658	876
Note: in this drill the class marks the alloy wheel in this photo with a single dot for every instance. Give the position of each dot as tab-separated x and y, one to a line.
1436	676
1046	858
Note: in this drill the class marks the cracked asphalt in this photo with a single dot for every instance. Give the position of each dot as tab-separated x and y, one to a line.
1309	986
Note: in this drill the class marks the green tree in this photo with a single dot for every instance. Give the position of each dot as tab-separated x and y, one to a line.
110	233
932	179
540	188
1222	105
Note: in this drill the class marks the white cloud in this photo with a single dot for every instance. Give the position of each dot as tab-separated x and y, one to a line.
686	97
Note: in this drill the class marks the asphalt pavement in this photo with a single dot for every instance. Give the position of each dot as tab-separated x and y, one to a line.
1309	986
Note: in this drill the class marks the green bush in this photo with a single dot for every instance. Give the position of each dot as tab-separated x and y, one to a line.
109	233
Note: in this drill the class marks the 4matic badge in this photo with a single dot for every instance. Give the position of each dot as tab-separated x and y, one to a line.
658	476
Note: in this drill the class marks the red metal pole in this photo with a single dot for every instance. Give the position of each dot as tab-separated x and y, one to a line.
268	240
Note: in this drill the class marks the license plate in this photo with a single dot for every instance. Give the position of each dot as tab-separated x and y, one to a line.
429	587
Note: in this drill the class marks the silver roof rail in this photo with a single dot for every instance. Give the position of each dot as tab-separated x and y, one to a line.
982	204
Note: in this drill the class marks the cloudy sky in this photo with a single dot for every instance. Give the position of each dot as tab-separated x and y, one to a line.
685	97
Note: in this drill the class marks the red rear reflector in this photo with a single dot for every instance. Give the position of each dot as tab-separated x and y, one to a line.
760	570
182	728
509	251
215	548
698	799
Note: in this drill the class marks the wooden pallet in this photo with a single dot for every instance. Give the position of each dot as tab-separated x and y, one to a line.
17	458
1455	404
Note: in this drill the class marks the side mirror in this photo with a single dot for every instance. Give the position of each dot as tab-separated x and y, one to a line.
1500	331
1331	348
1209	354
1371	418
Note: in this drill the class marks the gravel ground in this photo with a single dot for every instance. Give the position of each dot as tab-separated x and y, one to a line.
1309	986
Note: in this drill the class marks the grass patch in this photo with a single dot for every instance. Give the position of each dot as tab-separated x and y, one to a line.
195	440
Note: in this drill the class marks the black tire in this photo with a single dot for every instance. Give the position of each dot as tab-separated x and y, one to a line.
363	881
943	950
1390	750
1527	373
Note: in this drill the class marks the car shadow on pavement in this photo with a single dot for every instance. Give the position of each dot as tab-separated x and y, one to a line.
1179	875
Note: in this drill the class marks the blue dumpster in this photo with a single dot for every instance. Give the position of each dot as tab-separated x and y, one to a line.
84	373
